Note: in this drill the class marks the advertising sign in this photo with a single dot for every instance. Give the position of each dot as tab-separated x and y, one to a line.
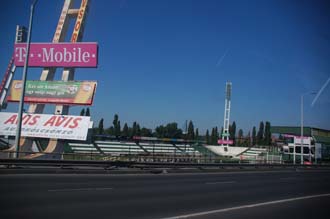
46	126
305	140
220	141
78	27
54	92
57	54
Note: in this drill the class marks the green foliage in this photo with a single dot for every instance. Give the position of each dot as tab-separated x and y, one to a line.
191	134
214	136
240	137
260	136
110	130
116	125
125	131
268	134
146	132
138	130
101	127
254	137
87	112
171	130
82	112
197	134
134	129
207	137
232	132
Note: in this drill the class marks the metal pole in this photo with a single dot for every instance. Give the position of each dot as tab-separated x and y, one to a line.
294	152
21	103
302	129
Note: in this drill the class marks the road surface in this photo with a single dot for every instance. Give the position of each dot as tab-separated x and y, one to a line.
277	194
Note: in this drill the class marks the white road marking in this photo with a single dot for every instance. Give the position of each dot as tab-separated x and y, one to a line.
225	182
81	189
248	206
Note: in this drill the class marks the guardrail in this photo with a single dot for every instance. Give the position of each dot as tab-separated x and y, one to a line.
134	164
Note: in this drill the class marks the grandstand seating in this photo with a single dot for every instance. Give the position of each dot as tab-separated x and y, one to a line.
133	148
252	153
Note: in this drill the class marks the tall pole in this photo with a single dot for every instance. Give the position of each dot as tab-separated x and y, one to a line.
21	103
302	130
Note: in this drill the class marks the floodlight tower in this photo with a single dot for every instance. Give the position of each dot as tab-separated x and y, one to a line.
225	133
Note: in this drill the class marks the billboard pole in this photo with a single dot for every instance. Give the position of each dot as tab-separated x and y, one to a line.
21	104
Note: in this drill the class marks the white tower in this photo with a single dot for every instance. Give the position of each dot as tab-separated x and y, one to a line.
225	133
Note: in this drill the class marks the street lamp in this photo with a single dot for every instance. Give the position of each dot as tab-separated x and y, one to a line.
302	127
21	103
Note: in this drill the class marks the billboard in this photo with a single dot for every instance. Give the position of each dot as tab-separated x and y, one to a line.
46	126
57	54
54	92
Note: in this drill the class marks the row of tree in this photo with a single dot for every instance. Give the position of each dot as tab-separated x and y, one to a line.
85	113
171	130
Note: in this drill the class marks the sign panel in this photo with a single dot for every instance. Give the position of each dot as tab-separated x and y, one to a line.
305	140
57	54
46	126
220	141
78	27
54	92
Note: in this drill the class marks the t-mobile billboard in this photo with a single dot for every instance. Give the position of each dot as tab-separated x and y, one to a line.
57	54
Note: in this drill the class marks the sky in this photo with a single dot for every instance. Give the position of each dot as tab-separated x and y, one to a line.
168	60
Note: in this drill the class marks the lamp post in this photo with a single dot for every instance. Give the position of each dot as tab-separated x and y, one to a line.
302	127
21	103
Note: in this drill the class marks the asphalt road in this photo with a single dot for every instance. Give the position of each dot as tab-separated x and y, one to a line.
287	194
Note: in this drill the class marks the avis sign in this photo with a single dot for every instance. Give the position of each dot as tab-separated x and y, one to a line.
46	126
57	54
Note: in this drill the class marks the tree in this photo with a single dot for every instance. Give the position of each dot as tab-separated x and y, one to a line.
101	128
268	134
240	137
146	132
191	134
197	134
160	131
254	138
82	112
87	112
171	130
260	136
138	130
116	125
125	132
118	129
232	132
134	127
111	130
214	136
247	142
207	137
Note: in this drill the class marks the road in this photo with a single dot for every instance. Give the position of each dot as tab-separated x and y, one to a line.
277	194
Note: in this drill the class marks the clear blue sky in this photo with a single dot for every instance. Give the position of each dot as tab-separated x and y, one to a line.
165	61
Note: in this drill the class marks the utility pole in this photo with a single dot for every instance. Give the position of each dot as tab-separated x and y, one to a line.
21	103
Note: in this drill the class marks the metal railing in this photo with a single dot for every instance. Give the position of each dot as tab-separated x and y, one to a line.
142	161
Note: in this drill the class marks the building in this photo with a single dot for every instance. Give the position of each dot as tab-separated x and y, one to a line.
320	139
